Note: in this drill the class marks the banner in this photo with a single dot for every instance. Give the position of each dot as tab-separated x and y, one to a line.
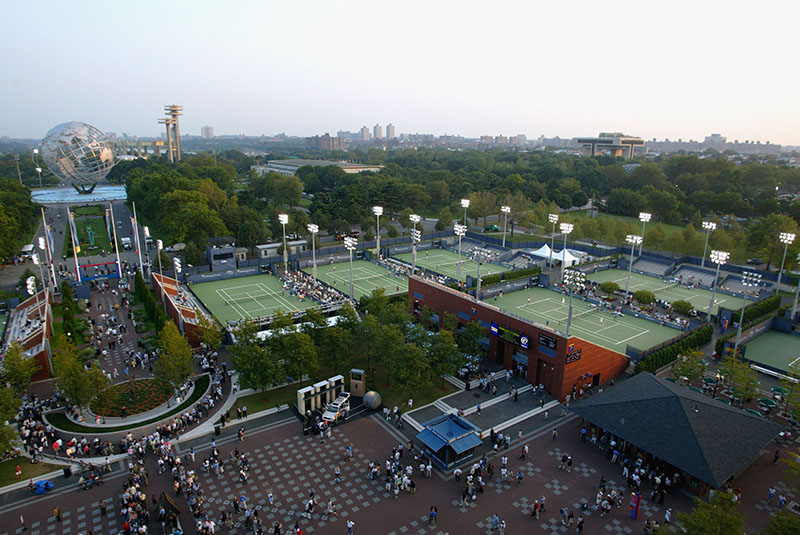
50	239
109	222
74	233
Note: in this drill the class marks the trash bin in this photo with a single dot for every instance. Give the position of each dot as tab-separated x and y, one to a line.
217	429
67	471
468	387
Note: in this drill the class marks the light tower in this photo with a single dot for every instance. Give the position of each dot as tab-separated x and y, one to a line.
644	217
749	280
573	278
719	258
787	238
313	229
709	227
460	231
633	240
506	210
465	205
167	122
553	218
378	211
416	237
283	219
566	229
350	244
174	111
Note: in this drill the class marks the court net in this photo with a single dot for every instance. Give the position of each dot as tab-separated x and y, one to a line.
668	286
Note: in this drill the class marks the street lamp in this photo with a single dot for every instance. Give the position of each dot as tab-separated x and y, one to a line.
553	218
719	258
416	237
786	239
574	279
19	174
350	244
147	248
633	240
313	229
566	229
749	280
709	227
465	205
35	258
506	210
644	217
378	211
39	172
460	231
284	219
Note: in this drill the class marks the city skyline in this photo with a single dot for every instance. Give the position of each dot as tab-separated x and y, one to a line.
518	68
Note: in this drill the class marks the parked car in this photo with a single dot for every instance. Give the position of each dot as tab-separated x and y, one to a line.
337	408
492	228
755	261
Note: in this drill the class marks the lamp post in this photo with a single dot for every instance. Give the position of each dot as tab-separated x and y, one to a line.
159	246
35	258
506	210
719	378
566	229
465	205
709	227
460	231
313	229
38	167
786	239
749	280
284	219
350	244
644	217
553	218
19	174
378	211
719	258
416	237
797	293
39	172
633	240
574	279
147	238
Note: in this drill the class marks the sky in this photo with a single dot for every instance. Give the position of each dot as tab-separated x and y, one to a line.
652	69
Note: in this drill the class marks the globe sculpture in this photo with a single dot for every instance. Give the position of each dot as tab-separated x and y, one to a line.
77	153
372	400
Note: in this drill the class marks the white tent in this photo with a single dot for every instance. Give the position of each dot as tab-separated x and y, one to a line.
542	252
566	257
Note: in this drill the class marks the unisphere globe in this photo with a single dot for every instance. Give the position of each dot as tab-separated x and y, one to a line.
372	400
78	153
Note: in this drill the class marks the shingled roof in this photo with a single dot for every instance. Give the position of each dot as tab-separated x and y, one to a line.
695	433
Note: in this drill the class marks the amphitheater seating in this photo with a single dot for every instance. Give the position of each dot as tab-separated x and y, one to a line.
688	274
650	266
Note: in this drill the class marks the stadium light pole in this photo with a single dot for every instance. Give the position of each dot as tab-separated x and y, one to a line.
460	231
633	240
350	244
39	172
719	258
147	249
566	229
159	246
796	294
465	205
19	174
378	211
644	217
284	219
416	237
749	280
787	238
506	210
574	278
313	229
553	218
709	227
35	259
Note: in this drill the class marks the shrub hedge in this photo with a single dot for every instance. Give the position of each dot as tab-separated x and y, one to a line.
510	275
665	355
720	343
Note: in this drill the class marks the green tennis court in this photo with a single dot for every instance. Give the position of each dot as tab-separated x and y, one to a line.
257	296
667	290
548	307
777	350
445	263
367	277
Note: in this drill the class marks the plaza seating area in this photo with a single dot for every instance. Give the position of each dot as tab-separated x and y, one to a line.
651	266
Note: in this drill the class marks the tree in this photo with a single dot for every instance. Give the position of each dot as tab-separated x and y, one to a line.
763	238
644	297
299	355
789	382
257	366
211	333
609	287
18	369
469	340
388	342
690	365
70	374
443	355
105	399
413	369
781	523
445	219
681	306
718	516
175	361
482	204
334	347
740	376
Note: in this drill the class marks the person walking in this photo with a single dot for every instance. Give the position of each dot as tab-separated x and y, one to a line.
432	516
57	513
350	525
241	434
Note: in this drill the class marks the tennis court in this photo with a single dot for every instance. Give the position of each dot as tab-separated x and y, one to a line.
774	349
257	296
366	278
445	263
600	327
667	289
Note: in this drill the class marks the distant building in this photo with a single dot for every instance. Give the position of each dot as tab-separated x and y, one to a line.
377	132
615	143
207	132
326	142
390	133
290	167
715	139
363	134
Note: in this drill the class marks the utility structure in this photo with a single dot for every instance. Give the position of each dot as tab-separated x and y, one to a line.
574	279
644	217
749	280
796	295
350	243
172	112
506	210
553	218
283	219
719	258
378	211
313	229
633	240
787	238
465	205
709	227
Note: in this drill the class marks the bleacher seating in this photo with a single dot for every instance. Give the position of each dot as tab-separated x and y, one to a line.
688	274
733	283
646	265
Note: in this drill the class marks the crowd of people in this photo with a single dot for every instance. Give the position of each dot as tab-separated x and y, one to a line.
304	286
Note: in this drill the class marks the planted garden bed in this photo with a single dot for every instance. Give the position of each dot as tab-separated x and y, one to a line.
149	394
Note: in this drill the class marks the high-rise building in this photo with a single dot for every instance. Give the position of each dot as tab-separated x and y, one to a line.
390	134
377	132
325	142
207	132
363	134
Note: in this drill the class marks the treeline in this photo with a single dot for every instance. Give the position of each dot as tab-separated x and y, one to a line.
19	216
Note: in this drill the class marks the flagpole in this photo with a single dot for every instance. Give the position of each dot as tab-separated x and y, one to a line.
138	242
75	244
116	248
46	234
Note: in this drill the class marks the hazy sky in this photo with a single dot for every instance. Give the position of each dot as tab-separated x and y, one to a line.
654	69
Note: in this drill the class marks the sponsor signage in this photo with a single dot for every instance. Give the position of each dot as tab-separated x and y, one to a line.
547	341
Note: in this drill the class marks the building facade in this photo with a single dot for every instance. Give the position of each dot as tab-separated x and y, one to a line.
207	132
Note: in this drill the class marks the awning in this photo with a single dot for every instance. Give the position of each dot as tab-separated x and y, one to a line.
430	439
467	442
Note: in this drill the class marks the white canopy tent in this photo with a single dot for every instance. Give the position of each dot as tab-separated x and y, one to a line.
566	257
542	252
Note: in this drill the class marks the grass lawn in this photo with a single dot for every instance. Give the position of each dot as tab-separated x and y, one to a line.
60	420
101	241
29	470
261	401
58	326
91	210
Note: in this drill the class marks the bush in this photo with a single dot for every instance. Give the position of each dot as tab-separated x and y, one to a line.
758	309
496	278
644	297
609	287
665	355
681	306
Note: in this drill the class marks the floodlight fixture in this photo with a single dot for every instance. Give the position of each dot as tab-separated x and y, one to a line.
566	228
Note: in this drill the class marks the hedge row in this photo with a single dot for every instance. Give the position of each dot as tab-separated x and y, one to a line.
665	355
758	309
720	344
154	309
510	275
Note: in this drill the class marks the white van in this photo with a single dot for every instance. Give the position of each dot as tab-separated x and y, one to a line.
126	243
27	252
